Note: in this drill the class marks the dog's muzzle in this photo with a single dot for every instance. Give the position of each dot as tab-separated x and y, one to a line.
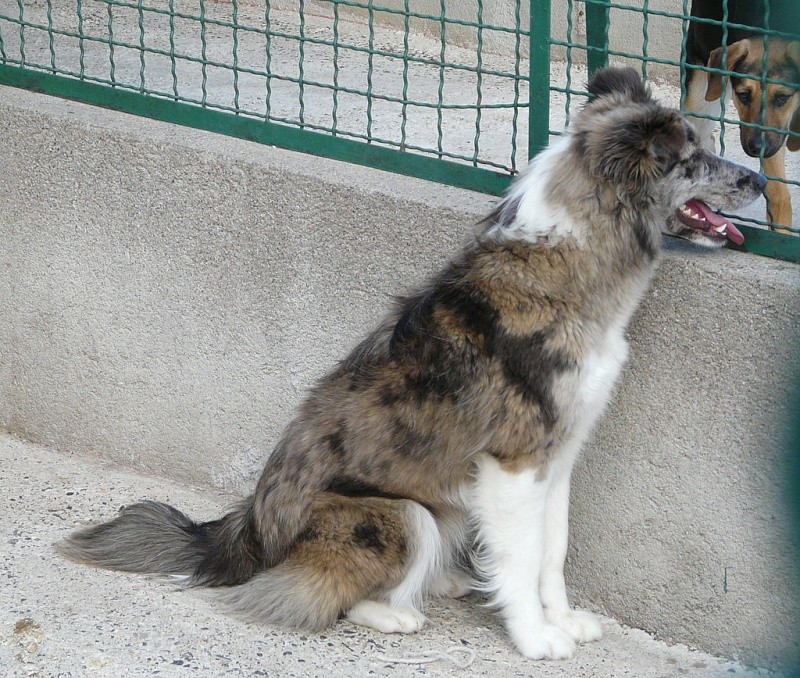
696	214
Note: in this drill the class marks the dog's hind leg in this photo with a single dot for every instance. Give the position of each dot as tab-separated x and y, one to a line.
509	509
398	610
352	549
386	618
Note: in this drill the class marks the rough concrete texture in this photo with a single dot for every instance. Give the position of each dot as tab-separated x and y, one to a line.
686	475
169	295
176	301
61	619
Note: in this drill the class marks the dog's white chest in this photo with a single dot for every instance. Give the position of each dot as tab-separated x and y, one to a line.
588	390
600	372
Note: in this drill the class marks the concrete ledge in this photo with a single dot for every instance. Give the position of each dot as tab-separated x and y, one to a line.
169	295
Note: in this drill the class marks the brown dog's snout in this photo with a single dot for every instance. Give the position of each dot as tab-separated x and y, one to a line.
753	140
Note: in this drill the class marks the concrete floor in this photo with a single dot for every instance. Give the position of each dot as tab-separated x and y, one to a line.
61	619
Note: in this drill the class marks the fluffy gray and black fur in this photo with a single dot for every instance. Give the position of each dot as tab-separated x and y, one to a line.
386	472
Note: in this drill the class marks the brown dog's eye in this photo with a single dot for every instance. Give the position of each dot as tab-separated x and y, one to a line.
744	96
780	99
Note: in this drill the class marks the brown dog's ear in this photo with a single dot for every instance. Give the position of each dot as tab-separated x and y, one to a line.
632	151
793	143
793	53
735	52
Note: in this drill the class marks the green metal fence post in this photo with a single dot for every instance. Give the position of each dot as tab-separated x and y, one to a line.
597	34
539	77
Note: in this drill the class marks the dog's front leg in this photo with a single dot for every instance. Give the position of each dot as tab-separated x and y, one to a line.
779	202
509	507
583	627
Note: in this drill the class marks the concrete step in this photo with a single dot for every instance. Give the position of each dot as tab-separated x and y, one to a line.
61	619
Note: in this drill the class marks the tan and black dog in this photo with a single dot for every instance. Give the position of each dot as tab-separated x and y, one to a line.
745	55
453	427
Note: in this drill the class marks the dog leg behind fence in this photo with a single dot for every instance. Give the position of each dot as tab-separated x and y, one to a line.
696	103
779	201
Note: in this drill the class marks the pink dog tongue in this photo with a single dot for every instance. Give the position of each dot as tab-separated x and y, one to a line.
716	222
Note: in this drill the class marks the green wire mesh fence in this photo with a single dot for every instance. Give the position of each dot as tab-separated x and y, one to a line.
457	92
346	70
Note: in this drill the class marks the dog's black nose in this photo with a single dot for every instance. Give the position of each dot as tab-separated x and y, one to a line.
753	146
752	179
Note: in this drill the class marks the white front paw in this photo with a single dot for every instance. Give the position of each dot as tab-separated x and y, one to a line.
582	627
548	642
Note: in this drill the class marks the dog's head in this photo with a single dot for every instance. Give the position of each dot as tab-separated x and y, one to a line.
651	157
747	59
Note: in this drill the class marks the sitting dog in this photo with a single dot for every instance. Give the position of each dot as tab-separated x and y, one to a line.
454	426
745	56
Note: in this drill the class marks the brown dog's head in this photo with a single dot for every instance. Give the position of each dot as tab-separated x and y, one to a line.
746	57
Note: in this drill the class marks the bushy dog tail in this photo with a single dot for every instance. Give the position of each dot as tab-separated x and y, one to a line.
154	538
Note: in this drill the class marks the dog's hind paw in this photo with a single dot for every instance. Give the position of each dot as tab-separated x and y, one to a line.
460	585
548	642
385	618
582	627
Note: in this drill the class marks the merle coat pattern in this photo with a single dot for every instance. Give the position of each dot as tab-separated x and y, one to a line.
453	427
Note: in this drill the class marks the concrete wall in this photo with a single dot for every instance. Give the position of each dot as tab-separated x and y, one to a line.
680	525
168	296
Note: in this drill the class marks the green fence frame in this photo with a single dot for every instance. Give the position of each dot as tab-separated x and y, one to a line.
438	164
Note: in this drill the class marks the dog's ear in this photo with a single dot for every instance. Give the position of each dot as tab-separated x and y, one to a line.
669	137
634	150
793	53
622	80
736	51
793	143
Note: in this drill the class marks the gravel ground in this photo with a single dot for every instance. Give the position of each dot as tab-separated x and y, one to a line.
61	619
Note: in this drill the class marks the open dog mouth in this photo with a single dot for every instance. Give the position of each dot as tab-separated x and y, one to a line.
696	214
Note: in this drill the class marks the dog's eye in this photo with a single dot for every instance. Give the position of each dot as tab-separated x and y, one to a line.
744	96
780	99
